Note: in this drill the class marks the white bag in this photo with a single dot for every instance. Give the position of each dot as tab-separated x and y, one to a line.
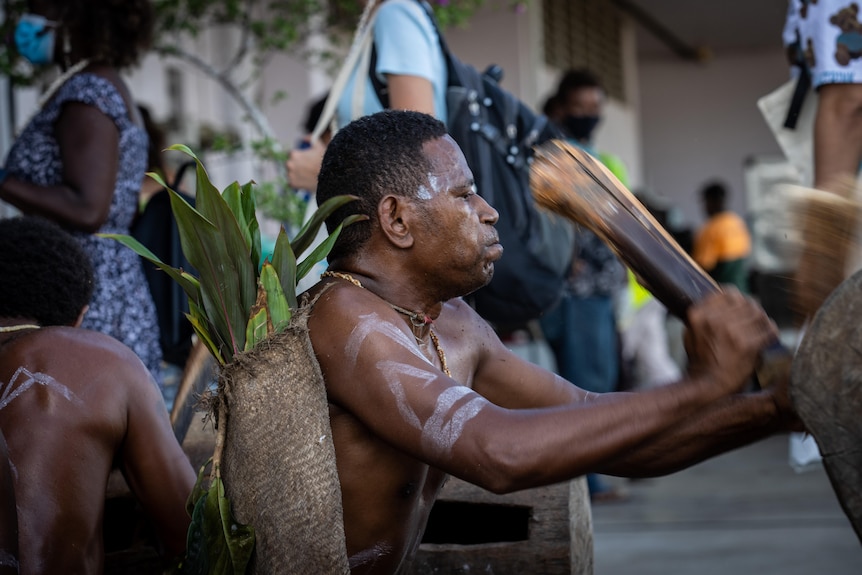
797	144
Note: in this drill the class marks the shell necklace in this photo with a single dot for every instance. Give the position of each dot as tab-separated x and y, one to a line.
416	319
19	327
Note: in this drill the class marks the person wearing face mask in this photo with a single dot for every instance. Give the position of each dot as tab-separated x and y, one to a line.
80	161
582	329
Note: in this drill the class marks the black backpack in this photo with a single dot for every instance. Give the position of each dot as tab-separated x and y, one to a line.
497	132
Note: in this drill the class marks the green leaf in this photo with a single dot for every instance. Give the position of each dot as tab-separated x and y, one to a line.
158	178
192	288
284	262
200	323
232	195
306	235
228	286
276	302
250	210
217	544
198	490
319	253
239	539
255	330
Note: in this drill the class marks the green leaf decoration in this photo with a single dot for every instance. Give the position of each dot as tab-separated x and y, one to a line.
276	302
217	544
221	275
206	331
218	252
256	330
321	251
186	281
248	210
306	235
284	262
234	304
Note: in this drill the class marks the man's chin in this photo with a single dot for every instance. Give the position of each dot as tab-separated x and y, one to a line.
482	279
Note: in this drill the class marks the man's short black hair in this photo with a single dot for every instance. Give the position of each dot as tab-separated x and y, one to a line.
575	80
47	276
371	157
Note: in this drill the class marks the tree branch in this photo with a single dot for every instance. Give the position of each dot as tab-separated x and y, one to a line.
252	110
245	40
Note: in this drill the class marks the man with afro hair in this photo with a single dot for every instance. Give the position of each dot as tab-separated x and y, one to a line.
75	404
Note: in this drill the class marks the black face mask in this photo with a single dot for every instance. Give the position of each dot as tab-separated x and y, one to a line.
580	127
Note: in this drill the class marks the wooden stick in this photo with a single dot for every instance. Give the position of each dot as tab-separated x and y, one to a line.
569	181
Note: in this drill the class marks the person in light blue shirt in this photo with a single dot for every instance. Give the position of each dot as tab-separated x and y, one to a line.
409	62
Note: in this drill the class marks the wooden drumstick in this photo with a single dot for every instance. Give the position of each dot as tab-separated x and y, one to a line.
570	182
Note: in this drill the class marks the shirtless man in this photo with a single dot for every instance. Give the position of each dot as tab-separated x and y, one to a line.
8	515
73	405
420	386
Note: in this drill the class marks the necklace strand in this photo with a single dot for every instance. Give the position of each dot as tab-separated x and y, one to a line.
416	319
19	327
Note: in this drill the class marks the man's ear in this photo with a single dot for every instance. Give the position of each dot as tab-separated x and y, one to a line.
81	315
394	214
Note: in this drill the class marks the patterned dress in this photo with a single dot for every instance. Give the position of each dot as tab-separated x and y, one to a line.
122	306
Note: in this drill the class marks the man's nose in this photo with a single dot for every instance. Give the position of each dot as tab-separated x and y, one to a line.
487	214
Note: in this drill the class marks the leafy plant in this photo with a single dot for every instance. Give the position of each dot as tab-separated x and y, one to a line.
235	303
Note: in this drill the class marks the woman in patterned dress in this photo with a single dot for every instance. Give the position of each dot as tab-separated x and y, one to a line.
81	160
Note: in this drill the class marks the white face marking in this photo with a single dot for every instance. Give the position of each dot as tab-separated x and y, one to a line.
424	193
15	388
444	427
436	183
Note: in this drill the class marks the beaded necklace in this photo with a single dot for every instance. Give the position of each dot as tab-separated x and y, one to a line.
416	319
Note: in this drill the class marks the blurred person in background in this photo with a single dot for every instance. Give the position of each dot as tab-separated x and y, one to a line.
409	62
582	329
723	244
80	161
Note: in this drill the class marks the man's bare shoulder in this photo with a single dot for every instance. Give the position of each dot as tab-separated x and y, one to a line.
93	356
338	306
460	321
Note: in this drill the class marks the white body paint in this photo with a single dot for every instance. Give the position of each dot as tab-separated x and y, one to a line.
15	388
451	413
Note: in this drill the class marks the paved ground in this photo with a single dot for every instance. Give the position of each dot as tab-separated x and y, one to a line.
744	513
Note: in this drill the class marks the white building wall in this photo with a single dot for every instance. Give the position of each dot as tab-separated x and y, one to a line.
701	121
514	41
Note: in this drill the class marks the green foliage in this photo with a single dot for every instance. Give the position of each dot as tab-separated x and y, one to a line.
217	544
234	302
